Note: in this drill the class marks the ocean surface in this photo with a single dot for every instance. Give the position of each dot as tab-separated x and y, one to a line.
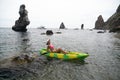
102	64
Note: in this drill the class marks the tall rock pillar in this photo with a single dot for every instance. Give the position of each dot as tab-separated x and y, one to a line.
99	24
23	21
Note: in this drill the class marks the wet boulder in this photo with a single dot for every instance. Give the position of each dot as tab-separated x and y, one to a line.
49	32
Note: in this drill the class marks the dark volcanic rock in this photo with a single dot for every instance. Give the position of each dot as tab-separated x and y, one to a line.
113	23
62	26
49	32
99	24
23	21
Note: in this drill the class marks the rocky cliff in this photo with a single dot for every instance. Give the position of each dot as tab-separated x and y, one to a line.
113	23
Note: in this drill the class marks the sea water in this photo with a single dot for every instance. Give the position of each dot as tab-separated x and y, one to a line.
103	62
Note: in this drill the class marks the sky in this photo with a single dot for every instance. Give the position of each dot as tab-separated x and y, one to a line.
50	13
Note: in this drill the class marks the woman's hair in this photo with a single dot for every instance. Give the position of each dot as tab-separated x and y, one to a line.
48	42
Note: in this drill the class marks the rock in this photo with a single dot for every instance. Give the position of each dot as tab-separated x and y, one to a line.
26	40
58	32
23	21
49	32
76	28
22	59
41	27
113	23
43	33
26	71
62	26
118	9
91	29
99	24
82	26
117	29
101	31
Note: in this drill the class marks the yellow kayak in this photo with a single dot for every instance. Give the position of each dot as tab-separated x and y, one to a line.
68	56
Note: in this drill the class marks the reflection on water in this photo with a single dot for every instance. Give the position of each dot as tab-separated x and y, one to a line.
102	64
23	42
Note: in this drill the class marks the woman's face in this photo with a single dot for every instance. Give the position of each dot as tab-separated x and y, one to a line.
48	42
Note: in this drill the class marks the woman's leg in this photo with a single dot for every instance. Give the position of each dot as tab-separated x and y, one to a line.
60	50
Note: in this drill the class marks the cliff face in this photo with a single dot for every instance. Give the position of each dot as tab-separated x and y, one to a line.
99	24
113	23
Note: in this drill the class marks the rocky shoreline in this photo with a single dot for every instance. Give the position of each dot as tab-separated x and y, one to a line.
112	24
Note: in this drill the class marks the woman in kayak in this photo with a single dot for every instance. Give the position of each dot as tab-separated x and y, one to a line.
51	48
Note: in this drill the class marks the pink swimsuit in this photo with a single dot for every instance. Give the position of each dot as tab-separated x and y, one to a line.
51	47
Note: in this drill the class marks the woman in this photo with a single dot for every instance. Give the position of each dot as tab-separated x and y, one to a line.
51	48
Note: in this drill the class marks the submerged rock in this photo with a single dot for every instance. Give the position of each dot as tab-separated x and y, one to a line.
58	32
22	59
43	33
23	21
76	28
11	69
41	27
22	72
101	31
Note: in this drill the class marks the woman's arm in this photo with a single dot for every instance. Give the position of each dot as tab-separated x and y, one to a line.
49	49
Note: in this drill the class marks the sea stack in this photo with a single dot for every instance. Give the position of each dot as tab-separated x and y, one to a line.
113	23
82	26
62	26
23	21
99	24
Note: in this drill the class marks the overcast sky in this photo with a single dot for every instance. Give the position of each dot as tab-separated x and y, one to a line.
51	13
